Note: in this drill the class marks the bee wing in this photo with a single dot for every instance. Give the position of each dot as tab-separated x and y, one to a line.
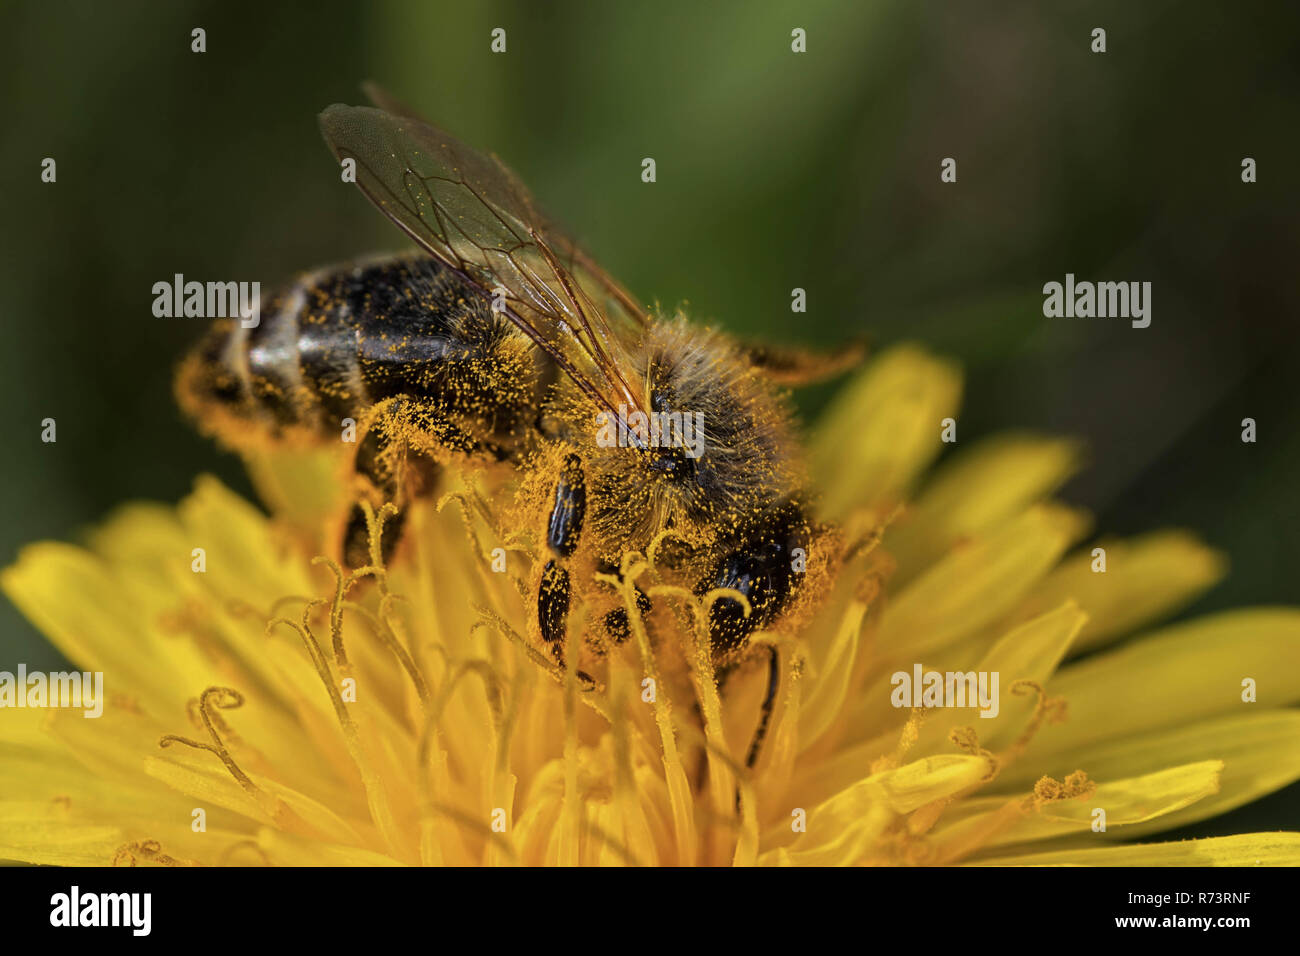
621	306
469	211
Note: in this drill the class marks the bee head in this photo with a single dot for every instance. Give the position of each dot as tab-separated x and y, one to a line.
672	464
676	443
710	447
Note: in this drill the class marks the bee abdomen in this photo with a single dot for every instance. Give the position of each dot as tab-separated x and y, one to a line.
338	340
283	353
296	369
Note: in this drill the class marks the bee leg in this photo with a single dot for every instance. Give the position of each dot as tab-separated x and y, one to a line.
766	709
765	713
768	705
553	607
383	463
563	528
764	573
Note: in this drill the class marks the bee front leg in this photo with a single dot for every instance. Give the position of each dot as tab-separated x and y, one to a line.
383	465
766	708
563	529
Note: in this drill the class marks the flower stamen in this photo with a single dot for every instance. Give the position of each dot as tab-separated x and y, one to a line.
376	795
227	698
149	850
1047	709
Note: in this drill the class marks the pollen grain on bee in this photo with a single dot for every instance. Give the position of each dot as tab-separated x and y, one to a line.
659	429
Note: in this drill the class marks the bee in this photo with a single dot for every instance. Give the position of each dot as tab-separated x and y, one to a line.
500	344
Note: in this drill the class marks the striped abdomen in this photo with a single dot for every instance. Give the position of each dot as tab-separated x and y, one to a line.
338	341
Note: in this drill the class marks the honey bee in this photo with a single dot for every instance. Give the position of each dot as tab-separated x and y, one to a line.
501	345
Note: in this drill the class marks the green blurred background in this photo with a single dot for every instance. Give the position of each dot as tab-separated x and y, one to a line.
775	170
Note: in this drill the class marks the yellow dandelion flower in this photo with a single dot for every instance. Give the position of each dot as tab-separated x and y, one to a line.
267	710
